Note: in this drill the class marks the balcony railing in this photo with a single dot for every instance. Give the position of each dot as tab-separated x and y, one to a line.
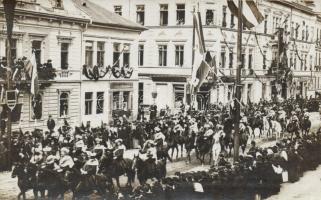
66	74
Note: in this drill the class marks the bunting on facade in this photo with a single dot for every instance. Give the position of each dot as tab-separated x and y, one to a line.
251	15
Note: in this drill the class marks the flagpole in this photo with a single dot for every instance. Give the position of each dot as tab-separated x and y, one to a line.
191	88
238	83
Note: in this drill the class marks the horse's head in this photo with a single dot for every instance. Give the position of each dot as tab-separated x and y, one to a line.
136	162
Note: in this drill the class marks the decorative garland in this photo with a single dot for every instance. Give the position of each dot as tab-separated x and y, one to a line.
96	73
100	72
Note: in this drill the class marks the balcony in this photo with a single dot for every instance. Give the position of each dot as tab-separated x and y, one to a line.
68	75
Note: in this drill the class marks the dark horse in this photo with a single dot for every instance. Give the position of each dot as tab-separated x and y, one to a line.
26	175
190	144
293	127
149	169
50	180
227	141
174	139
115	168
305	126
256	122
204	147
85	185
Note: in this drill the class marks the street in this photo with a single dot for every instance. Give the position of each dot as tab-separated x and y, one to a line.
307	188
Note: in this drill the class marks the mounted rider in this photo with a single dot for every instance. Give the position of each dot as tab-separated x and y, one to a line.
65	161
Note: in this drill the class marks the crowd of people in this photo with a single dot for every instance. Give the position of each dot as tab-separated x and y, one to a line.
92	151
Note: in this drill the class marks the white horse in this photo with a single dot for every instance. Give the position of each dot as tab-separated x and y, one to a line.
276	129
266	127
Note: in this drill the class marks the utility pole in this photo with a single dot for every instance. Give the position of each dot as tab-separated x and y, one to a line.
238	83
9	6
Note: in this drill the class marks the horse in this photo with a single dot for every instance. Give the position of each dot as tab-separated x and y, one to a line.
256	123
51	181
26	177
245	131
276	128
189	145
305	125
172	143
293	127
149	169
266	127
115	168
204	147
227	142
85	185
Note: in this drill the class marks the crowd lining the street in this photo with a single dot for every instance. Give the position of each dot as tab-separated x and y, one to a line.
96	154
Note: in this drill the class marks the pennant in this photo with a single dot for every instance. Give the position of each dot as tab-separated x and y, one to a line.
251	15
34	76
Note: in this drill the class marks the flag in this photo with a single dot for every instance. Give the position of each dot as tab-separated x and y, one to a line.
34	75
199	47
251	15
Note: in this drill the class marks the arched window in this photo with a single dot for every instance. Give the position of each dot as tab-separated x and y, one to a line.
63	104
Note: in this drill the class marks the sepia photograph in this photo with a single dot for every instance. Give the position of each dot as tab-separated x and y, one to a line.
160	99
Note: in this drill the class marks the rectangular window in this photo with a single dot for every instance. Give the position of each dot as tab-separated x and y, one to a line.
231	58
209	17
223	58
64	55
63	104
163	15
307	33
36	46
162	55
305	62
250	59
126	55
294	62
140	13
88	103
180	14
58	3
297	27
100	103
141	55
224	16
116	101
89	53
265	24
232	24
140	93
118	10
243	60
100	53
179	55
116	54
13	49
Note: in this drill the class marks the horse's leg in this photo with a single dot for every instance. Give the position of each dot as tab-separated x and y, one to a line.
35	194
176	147
172	148
117	181
182	149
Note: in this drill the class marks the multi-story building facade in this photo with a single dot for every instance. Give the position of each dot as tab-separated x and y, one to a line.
165	50
72	33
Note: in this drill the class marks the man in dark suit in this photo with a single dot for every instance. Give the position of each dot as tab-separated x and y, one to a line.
51	124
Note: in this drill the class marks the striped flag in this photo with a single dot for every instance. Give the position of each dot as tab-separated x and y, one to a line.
34	75
201	67
251	15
